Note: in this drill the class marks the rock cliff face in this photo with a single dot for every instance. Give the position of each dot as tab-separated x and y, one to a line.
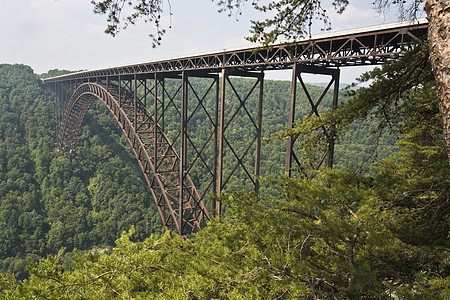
438	12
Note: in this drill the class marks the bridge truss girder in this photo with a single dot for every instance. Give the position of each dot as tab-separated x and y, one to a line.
351	48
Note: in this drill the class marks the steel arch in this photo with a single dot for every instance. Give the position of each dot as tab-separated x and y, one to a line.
138	126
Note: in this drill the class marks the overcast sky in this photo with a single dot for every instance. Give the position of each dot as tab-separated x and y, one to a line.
65	34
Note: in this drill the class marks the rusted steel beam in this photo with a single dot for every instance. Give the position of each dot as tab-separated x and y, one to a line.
332	137
182	153
221	141
258	132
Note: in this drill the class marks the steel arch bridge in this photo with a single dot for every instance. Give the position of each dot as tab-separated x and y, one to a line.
140	101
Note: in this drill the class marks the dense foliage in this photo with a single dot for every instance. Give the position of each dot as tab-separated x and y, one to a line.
349	233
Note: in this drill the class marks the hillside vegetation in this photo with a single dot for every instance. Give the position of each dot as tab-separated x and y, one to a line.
51	199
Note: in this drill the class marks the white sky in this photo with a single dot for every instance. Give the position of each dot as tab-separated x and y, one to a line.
65	34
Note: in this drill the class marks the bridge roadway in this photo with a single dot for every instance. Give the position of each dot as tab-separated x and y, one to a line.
138	98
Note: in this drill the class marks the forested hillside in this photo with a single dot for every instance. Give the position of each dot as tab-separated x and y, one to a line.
50	199
374	227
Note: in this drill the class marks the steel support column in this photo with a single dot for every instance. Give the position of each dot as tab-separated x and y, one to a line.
332	132
135	109
155	127
119	84
161	119
221	140
52	98
61	105
258	132
182	153
214	203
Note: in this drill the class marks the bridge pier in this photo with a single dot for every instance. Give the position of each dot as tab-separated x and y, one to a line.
254	122
184	103
198	108
297	71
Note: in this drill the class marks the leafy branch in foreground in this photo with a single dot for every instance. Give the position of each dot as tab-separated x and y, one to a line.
151	11
289	18
293	19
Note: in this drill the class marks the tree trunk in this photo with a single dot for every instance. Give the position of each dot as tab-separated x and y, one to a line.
438	12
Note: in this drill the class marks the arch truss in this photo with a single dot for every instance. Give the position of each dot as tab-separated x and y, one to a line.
177	199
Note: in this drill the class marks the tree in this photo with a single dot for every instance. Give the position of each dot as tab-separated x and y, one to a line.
438	12
293	19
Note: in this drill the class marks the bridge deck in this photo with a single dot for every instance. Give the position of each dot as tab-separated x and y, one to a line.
364	46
